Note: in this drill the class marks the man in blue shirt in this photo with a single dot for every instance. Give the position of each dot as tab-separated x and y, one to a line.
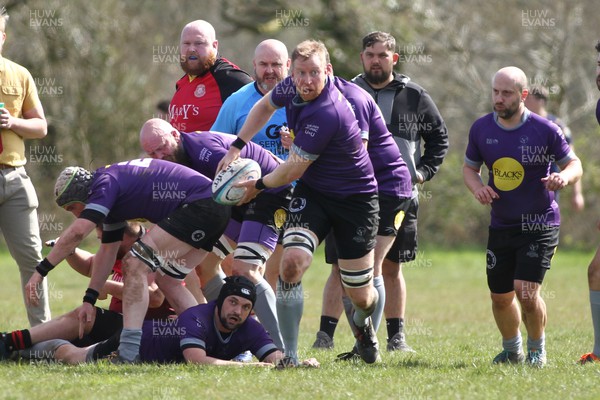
271	65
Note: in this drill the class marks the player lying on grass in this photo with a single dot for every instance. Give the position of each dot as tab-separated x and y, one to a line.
104	322
211	334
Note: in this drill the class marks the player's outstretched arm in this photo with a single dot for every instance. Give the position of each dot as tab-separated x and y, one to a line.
70	239
104	259
259	115
198	356
80	260
293	168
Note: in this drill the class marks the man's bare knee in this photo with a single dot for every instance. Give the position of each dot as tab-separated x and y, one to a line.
293	265
504	300
363	298
70	354
249	271
131	266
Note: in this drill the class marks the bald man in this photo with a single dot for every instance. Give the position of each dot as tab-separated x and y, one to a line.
208	81
517	147
271	64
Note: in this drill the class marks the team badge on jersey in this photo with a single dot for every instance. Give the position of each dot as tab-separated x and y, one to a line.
359	237
200	90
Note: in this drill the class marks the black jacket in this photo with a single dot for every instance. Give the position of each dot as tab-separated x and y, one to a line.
411	115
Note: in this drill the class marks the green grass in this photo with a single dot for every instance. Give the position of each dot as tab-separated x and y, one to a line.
448	321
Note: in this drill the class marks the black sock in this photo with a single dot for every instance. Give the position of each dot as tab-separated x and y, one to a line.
328	325
393	326
17	340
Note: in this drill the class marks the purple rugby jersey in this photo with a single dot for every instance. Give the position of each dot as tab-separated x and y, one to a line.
325	131
145	189
205	149
163	341
392	174
517	160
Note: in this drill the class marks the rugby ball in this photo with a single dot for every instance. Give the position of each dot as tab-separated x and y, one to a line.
241	170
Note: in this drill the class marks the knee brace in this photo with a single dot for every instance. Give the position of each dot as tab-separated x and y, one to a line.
252	253
300	238
150	257
222	248
147	255
356	279
174	270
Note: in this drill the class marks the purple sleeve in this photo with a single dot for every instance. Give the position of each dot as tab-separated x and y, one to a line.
472	154
561	148
363	116
283	93
105	190
194	324
261	343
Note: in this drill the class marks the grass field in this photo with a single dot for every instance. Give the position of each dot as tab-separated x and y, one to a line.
448	321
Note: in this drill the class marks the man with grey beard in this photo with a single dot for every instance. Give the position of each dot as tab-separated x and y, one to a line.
209	79
271	63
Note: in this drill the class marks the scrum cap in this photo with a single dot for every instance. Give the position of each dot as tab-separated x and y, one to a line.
73	185
237	286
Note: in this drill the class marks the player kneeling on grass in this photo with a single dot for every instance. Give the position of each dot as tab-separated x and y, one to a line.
210	334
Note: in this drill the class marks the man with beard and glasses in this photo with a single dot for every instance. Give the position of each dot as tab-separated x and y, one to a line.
517	147
594	267
209	79
208	334
415	122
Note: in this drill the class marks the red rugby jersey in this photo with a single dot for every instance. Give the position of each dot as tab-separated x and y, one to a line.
197	101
